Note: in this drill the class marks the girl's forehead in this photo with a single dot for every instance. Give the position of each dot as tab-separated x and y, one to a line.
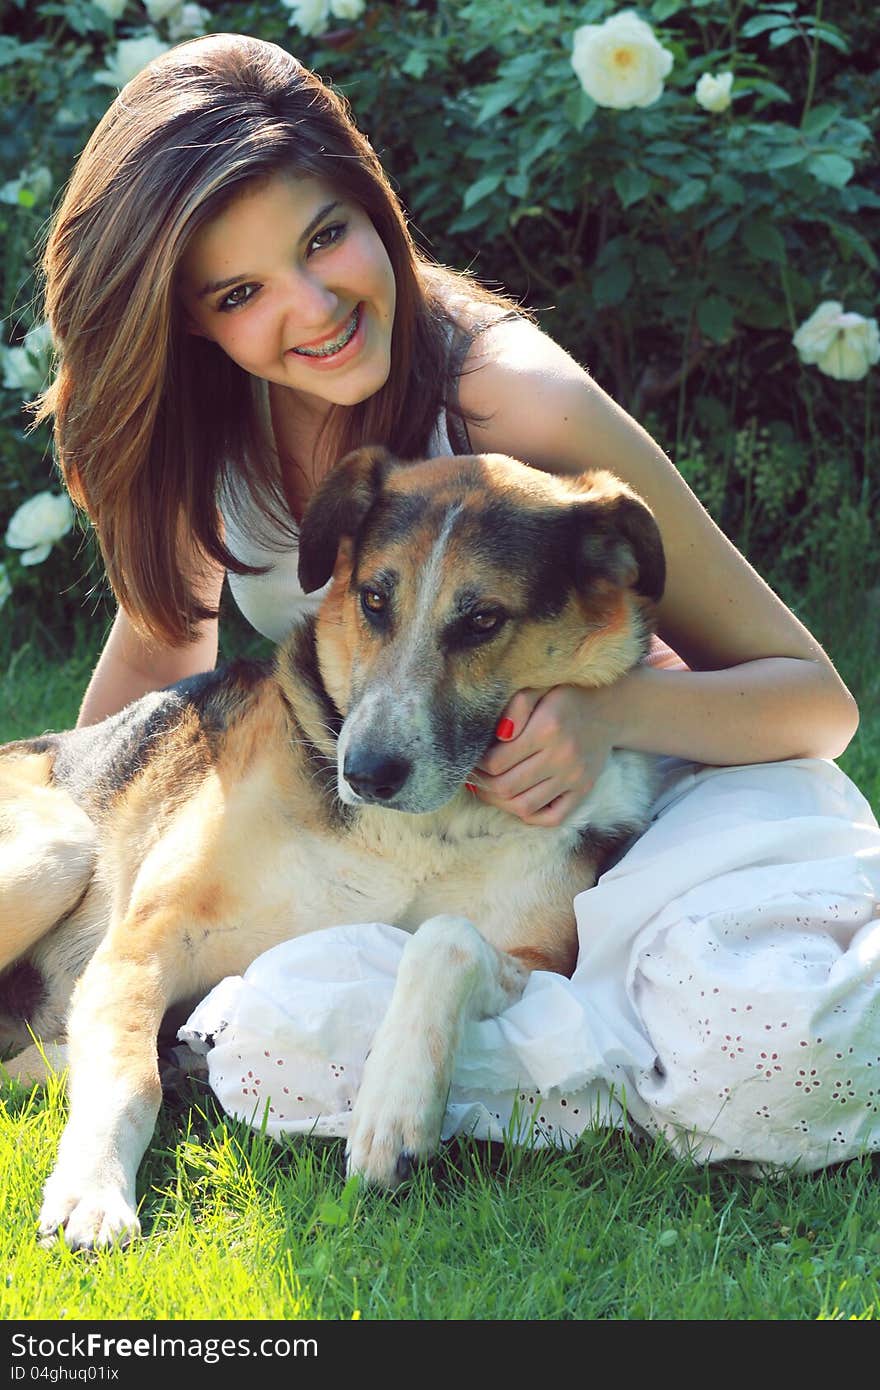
288	192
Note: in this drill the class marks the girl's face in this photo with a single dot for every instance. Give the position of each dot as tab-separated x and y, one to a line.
292	281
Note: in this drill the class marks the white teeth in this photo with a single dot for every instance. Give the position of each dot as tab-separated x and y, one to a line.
328	349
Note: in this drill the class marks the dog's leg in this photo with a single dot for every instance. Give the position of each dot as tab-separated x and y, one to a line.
114	1092
448	974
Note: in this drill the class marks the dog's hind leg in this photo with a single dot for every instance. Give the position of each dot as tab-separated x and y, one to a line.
47	853
448	973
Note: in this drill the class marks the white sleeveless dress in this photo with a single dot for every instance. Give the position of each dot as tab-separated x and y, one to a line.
726	996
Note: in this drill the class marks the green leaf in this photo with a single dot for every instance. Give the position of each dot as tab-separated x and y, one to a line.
826	33
783	157
533	210
551	139
503	94
686	194
762	22
481	189
764	240
665	9
466	221
722	232
832	169
779	37
330	1213
416	63
715	317
765	312
771	91
578	107
660	147
817	121
631	185
728	189
611	286
849	240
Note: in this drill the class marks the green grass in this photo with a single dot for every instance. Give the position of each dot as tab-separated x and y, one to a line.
237	1227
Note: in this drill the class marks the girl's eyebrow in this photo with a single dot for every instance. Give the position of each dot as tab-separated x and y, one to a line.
214	286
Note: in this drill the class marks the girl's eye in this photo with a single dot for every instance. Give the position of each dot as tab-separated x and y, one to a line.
235	298
327	236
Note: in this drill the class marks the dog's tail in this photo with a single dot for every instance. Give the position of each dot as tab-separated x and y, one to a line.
47	852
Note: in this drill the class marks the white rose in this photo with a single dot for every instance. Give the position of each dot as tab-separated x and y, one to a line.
157	10
713	93
841	345
5	585
25	368
191	20
347	9
130	56
311	16
620	63
111	8
38	524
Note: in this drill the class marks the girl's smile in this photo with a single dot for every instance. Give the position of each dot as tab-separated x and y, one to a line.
294	284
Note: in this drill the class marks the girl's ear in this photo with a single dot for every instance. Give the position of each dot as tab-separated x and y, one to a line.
338	509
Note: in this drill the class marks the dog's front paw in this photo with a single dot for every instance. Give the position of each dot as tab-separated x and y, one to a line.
397	1116
89	1217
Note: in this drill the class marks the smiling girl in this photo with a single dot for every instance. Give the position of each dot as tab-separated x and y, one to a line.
238	302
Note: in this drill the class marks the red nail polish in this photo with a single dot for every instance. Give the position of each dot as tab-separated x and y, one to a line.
470	787
505	729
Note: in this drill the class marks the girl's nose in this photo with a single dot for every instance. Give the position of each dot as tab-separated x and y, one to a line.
312	307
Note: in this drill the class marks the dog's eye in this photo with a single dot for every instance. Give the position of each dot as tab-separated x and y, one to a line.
373	600
484	620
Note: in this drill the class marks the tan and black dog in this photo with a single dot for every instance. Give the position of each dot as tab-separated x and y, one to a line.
146	858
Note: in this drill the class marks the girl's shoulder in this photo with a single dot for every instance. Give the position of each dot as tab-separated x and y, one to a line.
523	394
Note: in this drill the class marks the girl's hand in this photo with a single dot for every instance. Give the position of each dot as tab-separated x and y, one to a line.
551	747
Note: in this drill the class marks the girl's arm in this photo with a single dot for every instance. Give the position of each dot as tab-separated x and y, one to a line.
130	666
760	687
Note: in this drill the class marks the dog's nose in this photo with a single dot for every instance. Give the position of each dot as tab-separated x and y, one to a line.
375	776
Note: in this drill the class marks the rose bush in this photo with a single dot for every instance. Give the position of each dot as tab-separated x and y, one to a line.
675	253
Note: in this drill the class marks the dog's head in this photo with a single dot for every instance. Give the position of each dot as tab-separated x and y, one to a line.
457	582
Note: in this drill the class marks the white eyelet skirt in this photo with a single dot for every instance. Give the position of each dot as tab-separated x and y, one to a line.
727	993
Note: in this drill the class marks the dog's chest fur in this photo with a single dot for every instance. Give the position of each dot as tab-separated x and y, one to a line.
284	880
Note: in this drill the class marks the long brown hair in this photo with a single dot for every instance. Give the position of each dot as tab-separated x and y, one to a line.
151	420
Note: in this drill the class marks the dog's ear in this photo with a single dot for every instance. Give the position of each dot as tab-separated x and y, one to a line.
619	540
338	509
